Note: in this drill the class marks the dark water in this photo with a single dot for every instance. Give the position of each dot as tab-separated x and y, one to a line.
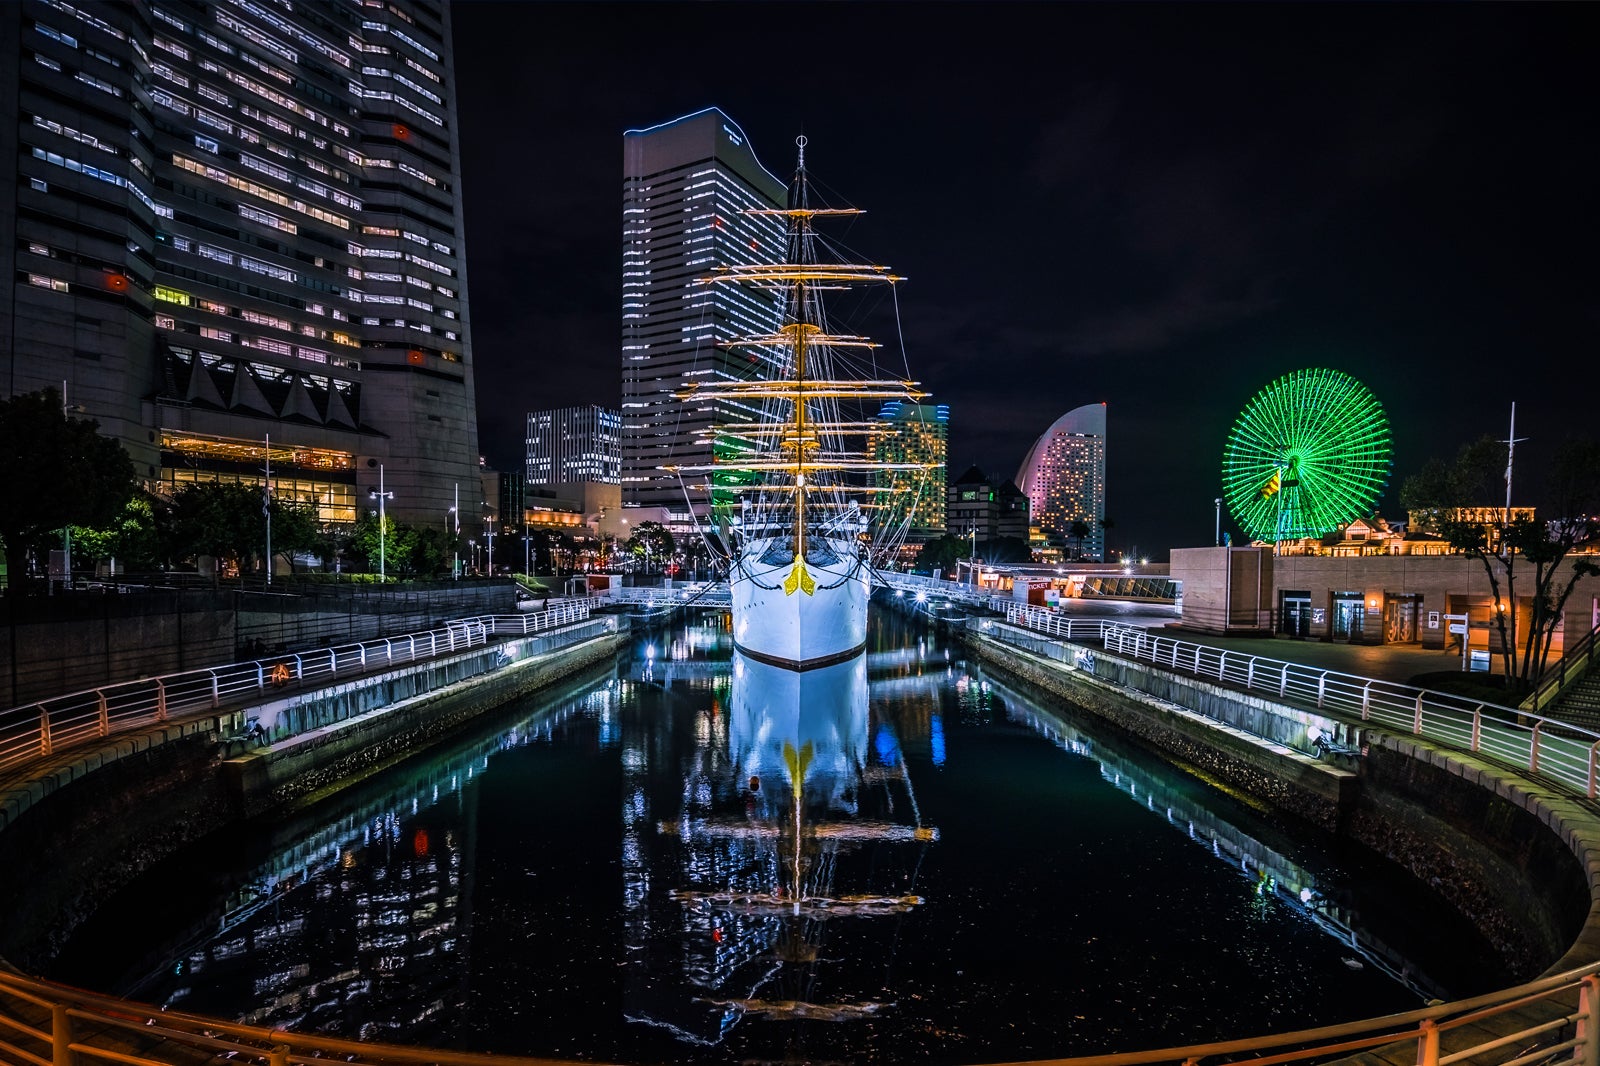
698	858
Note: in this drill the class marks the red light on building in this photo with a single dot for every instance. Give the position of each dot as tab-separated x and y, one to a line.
401	132
415	357
117	282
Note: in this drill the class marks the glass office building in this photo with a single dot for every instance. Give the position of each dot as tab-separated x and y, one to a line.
238	223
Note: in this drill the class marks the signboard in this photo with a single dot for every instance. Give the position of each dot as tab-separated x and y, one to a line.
1319	615
1458	628
1433	619
1480	662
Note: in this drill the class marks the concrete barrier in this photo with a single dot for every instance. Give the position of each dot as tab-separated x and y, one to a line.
1517	858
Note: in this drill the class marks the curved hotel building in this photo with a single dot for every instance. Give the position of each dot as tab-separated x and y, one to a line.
1064	478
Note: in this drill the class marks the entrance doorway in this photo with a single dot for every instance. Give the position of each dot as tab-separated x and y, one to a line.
1294	614
1349	615
1400	614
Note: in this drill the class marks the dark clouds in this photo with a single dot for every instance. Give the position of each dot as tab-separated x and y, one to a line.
1163	207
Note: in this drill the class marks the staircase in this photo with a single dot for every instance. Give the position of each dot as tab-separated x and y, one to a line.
1580	703
1570	690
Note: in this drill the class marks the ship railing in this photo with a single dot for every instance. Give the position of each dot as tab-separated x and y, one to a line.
43	727
1553	1021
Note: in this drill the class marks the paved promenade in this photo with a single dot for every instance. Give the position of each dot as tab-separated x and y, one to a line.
1385	662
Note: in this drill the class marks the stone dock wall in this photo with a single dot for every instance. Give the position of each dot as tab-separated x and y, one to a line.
95	825
70	643
1475	833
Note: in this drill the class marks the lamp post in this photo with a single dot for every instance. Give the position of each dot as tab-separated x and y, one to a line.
266	507
455	538
381	496
1218	502
488	537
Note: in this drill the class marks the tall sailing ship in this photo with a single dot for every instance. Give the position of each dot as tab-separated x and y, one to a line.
815	511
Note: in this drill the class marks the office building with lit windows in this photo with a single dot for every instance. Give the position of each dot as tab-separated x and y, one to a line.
234	224
912	433
574	444
685	187
1064	478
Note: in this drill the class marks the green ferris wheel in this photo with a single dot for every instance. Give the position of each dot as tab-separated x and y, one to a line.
1308	454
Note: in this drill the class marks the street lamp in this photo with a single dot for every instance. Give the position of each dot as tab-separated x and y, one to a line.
1218	502
455	538
381	496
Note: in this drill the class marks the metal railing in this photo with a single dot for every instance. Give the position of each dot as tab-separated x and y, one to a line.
1574	664
1560	751
1555	1021
42	727
709	594
1065	626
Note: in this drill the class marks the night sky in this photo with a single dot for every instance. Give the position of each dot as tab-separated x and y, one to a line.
1162	207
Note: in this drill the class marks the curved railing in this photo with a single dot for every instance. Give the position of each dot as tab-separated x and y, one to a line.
40	728
1557	750
1561	751
1553	1020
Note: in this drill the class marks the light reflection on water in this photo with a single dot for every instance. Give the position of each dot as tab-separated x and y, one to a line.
699	857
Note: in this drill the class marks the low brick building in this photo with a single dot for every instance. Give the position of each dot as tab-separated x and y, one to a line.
1361	599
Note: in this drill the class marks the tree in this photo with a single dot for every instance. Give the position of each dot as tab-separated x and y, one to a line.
1440	489
134	538
59	472
1106	525
1077	531
386	549
941	553
223	519
295	529
652	542
1574	494
430	551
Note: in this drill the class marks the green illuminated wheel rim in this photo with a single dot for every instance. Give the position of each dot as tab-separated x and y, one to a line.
1309	454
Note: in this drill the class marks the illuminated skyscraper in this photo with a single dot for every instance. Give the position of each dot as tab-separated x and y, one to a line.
573	444
912	433
225	223
1064	478
686	184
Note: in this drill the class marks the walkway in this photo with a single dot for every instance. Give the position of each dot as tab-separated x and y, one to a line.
1398	663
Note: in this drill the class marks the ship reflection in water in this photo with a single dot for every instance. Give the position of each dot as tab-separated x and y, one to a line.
696	856
795	823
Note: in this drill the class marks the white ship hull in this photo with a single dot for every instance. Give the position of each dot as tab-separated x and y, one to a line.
778	622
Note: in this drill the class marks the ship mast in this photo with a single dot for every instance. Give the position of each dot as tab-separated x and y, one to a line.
800	452
799	200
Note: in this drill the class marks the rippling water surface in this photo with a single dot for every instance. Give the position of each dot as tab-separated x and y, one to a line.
695	857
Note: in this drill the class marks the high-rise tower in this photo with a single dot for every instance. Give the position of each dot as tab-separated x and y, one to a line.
234	222
574	444
1064	478
912	433
686	184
